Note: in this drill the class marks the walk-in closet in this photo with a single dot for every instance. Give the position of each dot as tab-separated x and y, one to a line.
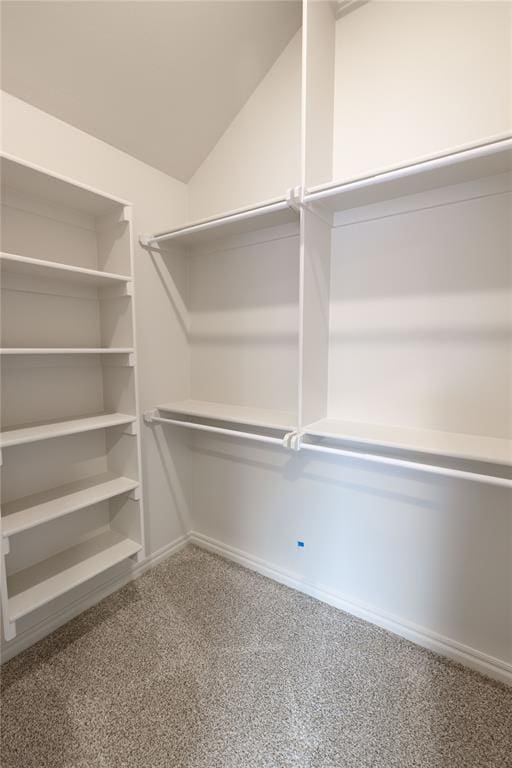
256	384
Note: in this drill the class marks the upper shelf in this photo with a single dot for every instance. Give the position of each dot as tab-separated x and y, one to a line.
454	168
237	414
268	214
39	182
25	265
449	444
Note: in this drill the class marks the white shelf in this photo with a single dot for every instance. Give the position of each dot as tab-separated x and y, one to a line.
268	214
238	414
33	587
52	187
449	444
47	430
25	265
66	350
426	174
30	511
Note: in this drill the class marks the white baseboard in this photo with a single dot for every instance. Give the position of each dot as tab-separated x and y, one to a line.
463	654
55	620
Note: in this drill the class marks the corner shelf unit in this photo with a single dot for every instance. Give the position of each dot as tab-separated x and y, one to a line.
71	496
336	397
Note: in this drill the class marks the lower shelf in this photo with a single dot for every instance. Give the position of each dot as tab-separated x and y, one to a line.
23	514
31	588
239	414
449	444
60	428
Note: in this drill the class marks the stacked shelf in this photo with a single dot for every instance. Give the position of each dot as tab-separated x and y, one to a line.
12	263
69	391
11	436
33	587
23	514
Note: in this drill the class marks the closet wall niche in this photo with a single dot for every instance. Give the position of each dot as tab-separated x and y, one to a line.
71	505
407	242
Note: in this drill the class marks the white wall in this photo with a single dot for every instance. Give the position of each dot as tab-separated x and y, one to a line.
428	552
163	352
418	78
258	156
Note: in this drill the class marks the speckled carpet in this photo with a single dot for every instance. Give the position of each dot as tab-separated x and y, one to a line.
203	664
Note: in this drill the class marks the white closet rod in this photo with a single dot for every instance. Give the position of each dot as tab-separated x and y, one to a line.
420	167
217	430
294	441
281	204
431	468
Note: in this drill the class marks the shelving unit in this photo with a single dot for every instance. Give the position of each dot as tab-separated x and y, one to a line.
405	275
229	260
418	328
69	389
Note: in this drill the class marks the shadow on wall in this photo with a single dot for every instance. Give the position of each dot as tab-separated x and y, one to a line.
173	275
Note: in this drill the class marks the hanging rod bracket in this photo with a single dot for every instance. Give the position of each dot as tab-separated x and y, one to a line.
292	441
294	198
145	240
149	416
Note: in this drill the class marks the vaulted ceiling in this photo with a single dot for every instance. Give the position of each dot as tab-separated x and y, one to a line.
160	80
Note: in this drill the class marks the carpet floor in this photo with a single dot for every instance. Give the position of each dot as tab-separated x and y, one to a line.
203	664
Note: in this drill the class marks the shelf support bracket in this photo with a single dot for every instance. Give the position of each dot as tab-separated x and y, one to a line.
9	630
8	625
135	495
130	429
